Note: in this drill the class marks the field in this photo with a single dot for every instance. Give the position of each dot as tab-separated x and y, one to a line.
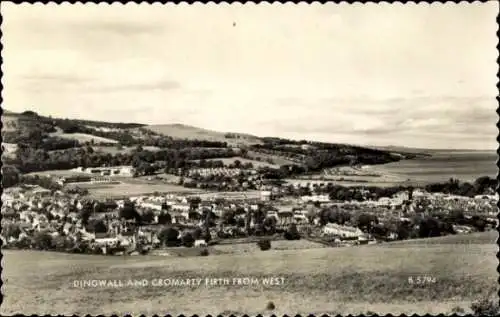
256	164
83	137
241	248
275	159
124	149
181	131
128	188
59	173
321	280
251	194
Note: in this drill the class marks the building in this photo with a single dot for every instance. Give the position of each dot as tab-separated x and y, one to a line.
342	231
111	171
100	180
265	195
316	198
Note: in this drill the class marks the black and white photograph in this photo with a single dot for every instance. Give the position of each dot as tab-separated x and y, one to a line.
249	159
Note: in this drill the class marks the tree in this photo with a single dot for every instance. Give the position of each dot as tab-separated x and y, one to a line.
429	227
10	176
479	223
97	226
248	218
148	216
237	163
194	202
169	237
228	217
129	212
483	183
164	218
457	216
264	244
11	230
197	233
366	221
165	206
324	216
86	212
43	241
187	240
270	225
292	233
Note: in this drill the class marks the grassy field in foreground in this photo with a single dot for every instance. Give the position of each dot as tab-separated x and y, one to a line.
323	280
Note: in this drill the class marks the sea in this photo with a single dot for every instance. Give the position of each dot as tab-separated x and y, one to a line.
442	165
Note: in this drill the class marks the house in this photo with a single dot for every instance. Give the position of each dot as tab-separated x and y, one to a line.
181	207
151	205
342	231
265	195
200	243
285	217
298	217
112	171
41	192
316	198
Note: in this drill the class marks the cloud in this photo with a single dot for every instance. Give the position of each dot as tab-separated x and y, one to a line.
163	85
398	119
121	28
404	75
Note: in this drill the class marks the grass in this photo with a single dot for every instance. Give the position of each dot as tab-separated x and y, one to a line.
489	237
83	137
133	189
322	280
251	194
123	150
275	245
181	131
61	173
277	160
256	164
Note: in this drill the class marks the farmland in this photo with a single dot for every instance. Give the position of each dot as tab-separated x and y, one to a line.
122	149
127	188
181	131
276	160
255	163
83	137
321	280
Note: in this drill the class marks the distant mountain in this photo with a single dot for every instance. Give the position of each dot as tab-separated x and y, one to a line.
182	131
404	149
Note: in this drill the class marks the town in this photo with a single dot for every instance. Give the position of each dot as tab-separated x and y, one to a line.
64	220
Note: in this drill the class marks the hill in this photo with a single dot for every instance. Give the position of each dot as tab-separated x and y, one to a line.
9	121
182	131
83	137
321	280
44	134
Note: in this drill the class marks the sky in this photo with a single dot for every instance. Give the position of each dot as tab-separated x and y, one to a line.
376	74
